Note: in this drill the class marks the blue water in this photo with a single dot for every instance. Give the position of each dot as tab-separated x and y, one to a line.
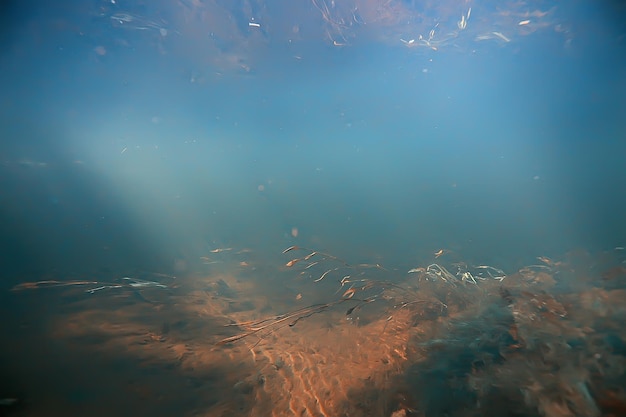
500	153
142	136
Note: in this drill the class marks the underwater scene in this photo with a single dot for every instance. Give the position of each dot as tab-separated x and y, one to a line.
324	208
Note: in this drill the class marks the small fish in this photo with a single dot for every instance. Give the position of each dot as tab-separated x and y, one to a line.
290	248
501	36
219	250
292	262
310	255
349	293
324	275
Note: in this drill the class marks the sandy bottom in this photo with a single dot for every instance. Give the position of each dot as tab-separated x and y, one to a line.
535	344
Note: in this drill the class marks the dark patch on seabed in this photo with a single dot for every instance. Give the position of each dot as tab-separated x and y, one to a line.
318	335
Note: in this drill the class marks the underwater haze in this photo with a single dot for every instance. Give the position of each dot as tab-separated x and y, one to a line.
118	151
154	137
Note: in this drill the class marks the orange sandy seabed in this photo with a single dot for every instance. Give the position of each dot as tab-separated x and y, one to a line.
323	366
